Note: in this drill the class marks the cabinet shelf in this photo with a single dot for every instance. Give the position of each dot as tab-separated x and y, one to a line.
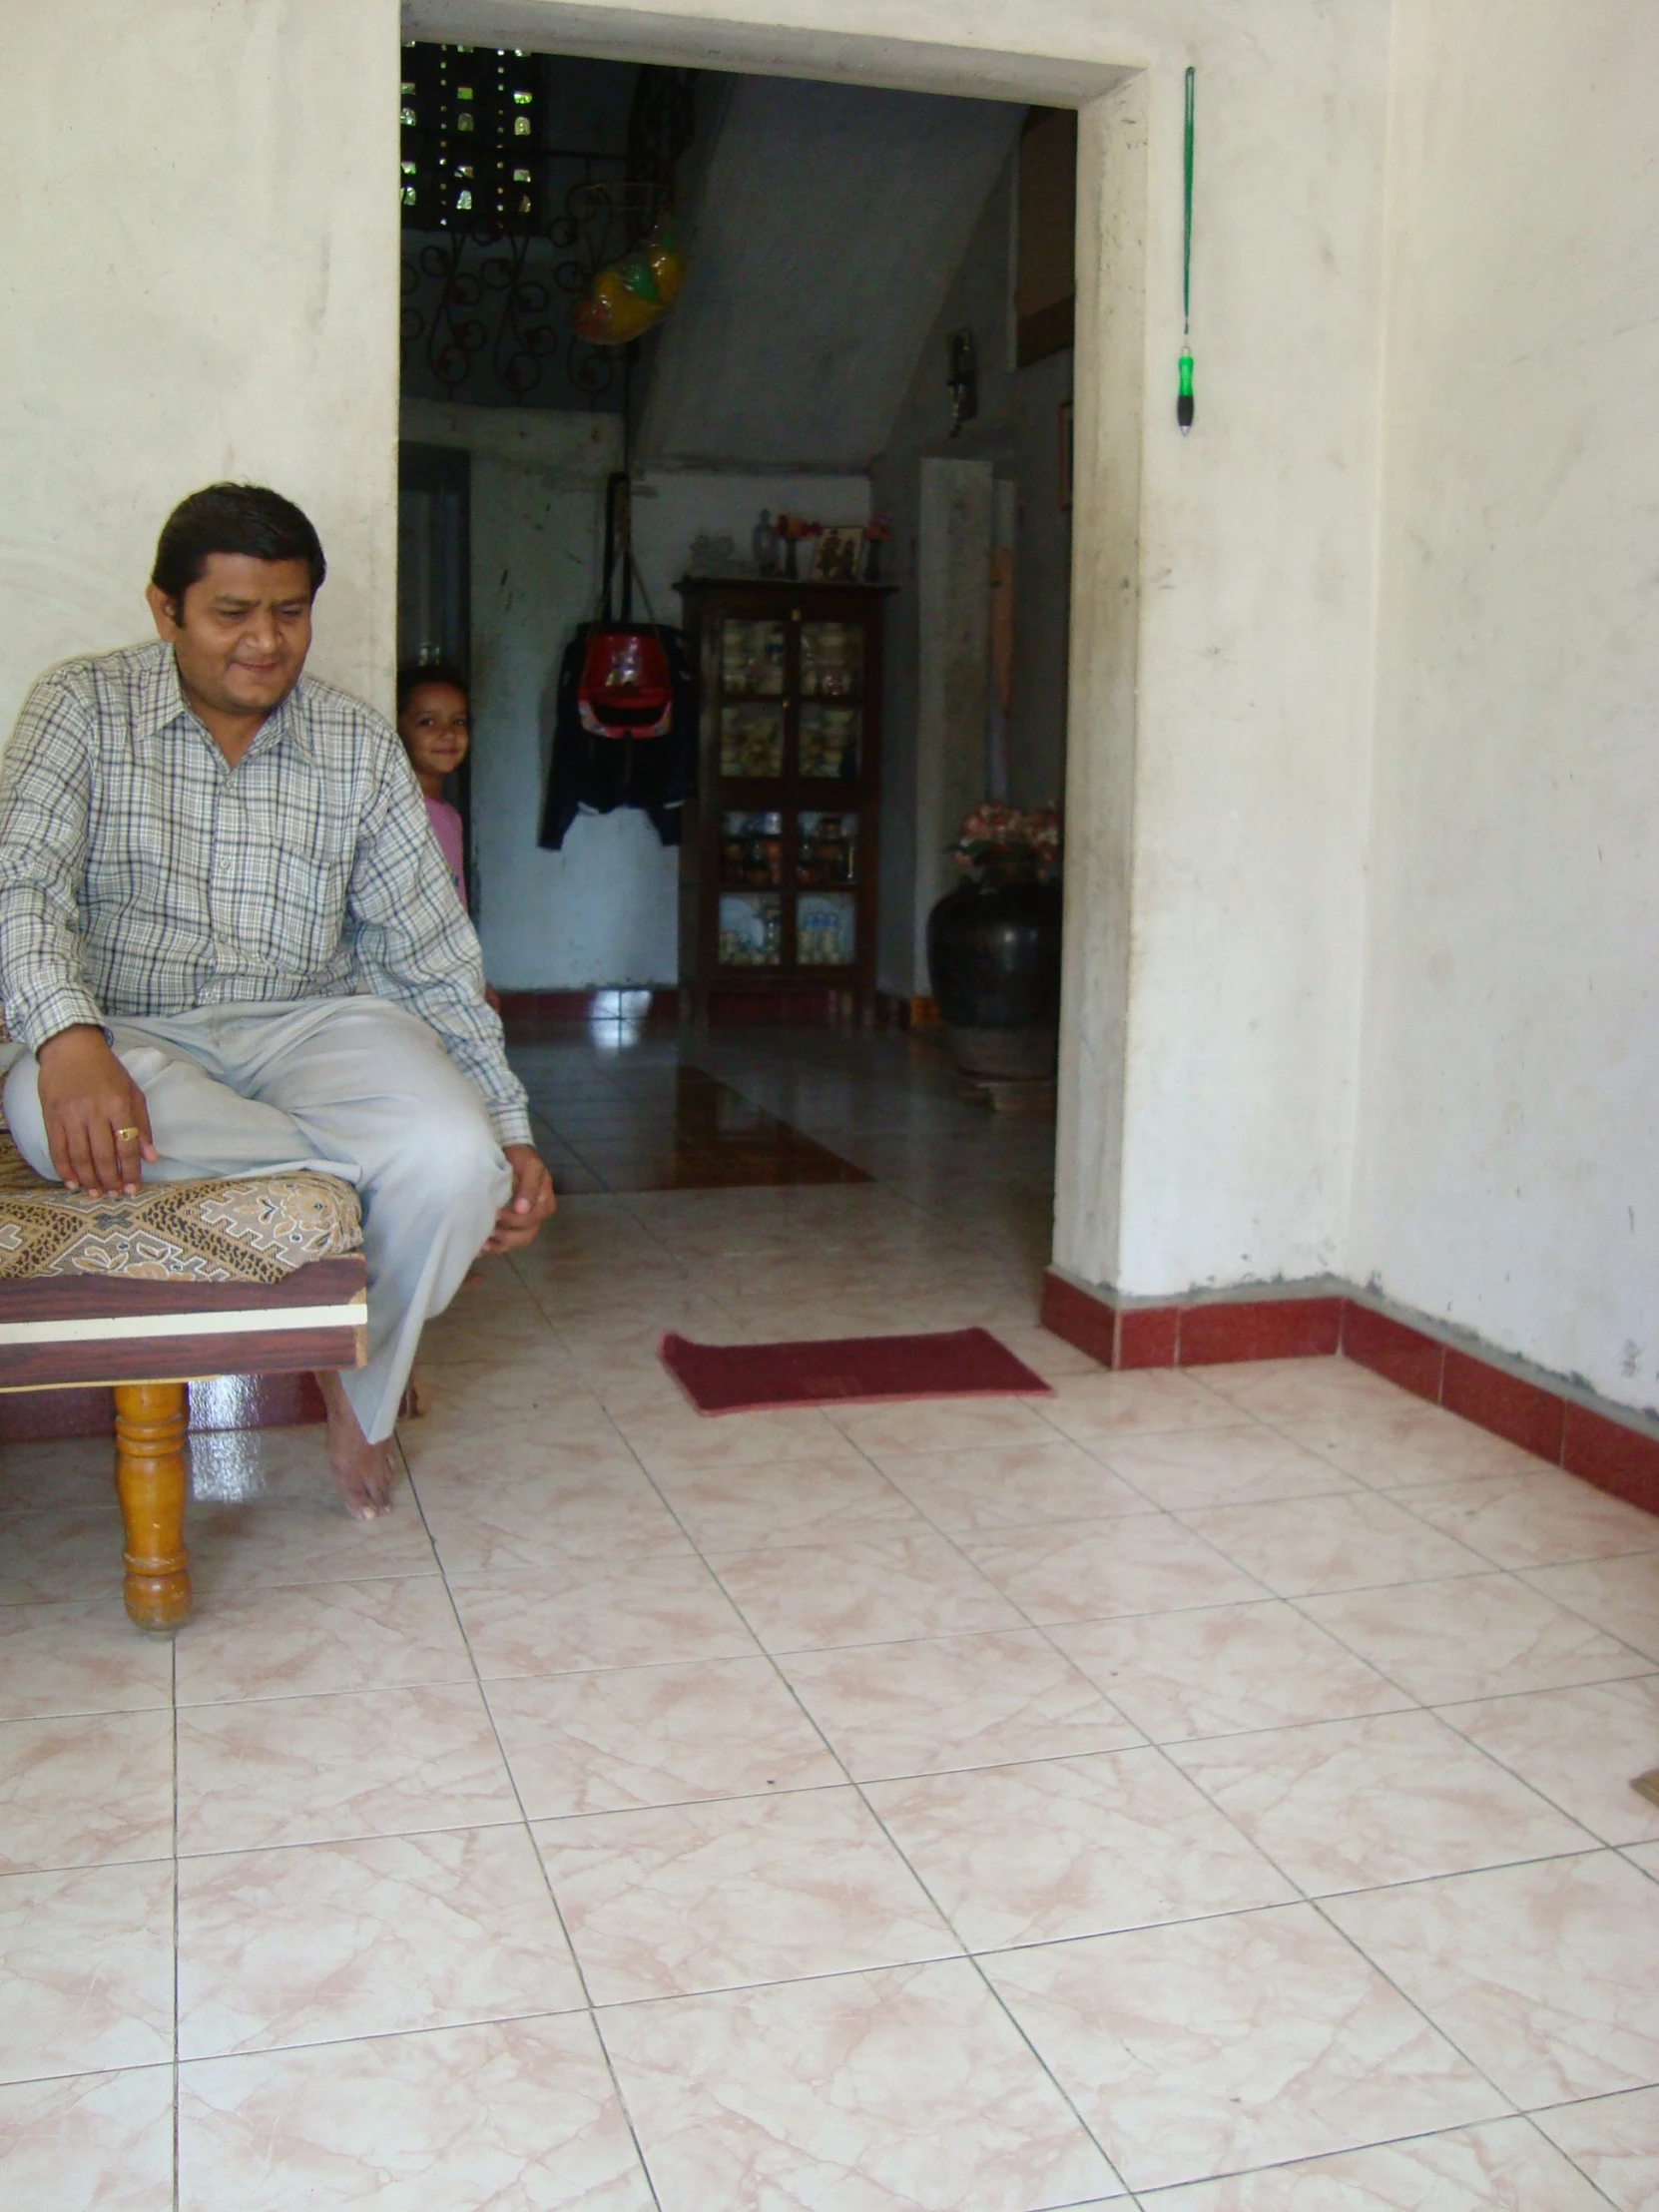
778	854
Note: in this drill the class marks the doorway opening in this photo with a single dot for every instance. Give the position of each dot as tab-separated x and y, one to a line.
847	439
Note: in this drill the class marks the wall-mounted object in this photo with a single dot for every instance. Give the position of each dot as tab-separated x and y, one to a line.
962	380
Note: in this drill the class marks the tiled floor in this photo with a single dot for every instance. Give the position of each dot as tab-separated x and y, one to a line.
1205	1791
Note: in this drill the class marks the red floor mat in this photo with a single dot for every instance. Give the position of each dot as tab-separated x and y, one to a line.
847	1371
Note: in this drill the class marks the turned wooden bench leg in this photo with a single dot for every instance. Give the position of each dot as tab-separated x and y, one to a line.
153	1477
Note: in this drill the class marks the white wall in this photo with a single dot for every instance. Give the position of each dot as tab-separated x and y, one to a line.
1508	1175
601	910
199	280
673	505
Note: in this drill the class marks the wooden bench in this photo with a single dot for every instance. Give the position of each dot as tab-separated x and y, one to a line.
147	1294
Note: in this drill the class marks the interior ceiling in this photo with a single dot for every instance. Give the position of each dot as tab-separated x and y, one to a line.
828	226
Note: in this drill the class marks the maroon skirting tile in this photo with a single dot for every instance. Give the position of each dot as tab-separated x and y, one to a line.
1494	1399
1259	1329
1618	1459
1390	1349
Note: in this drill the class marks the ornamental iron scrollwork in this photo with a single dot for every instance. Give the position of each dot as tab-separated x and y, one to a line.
503	231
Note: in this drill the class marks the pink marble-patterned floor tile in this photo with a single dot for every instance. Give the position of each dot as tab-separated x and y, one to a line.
1216	2045
1349	1804
514	2113
904	2091
868	1589
74	1473
1547	1976
1408	1444
1500	2167
242	1547
1091	1570
1473	1636
1101	1408
943	1425
708	1896
83	2140
1077	1847
1224	1669
1010	1485
1535	1521
573	1615
85	1789
933	1703
389	1633
310	1770
684	1442
1309	1546
631	1736
66	1554
86	1963
1302	1389
796	1501
541	1519
1618	1595
331	1941
1615	2141
1579	1748
1246	1464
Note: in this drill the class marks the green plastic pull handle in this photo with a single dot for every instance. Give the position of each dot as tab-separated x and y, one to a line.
1184	400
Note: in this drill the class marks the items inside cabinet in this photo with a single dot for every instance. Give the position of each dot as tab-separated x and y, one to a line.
778	876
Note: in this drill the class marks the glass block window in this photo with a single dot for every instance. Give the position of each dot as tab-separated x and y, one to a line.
470	122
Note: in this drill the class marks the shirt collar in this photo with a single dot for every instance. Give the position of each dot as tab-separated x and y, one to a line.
161	703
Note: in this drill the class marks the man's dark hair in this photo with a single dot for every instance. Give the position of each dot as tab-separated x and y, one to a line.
233	518
411	678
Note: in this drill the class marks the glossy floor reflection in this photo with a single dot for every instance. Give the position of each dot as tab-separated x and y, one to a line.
1205	1791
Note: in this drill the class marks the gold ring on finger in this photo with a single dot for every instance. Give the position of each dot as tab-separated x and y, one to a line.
127	1136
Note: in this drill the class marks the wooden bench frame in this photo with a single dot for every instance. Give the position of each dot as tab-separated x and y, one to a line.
147	1341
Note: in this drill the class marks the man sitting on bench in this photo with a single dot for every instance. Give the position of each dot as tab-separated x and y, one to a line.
231	946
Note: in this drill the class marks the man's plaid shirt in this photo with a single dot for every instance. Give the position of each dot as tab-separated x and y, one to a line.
140	873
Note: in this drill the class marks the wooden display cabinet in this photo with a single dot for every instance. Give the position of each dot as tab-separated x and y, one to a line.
778	854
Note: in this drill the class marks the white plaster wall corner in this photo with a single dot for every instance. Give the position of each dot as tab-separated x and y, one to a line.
1105	646
165	332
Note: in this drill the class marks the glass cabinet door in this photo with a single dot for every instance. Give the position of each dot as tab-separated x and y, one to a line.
832	660
750	659
752	740
751	929
825	929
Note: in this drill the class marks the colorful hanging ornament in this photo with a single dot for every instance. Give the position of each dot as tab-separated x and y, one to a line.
628	295
1183	388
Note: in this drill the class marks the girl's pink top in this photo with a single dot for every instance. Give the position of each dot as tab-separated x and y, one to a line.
447	827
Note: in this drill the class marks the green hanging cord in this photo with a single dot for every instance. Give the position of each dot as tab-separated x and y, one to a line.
1184	401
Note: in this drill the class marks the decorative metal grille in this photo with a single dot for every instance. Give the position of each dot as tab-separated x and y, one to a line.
503	229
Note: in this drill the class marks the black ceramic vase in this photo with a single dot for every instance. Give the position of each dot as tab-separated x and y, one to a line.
993	956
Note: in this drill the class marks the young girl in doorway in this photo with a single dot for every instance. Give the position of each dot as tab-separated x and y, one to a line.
434	720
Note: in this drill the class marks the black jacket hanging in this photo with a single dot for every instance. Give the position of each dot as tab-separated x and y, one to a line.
602	772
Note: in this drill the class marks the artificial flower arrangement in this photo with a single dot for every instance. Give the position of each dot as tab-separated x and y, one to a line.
1001	845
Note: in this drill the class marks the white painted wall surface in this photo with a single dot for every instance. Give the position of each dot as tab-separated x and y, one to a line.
601	910
1508	1175
671	506
956	507
199	280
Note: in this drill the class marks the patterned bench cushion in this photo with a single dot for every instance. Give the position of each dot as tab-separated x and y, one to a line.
258	1229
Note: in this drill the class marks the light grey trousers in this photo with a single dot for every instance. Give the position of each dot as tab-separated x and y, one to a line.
354	1088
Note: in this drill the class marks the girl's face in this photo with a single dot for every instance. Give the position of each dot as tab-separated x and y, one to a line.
436	730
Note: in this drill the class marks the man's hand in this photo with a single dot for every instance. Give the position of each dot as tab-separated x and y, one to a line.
531	1203
97	1124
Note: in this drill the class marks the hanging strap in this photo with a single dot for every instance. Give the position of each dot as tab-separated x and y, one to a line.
1184	389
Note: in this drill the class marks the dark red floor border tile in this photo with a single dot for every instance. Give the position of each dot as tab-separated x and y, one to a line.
1148	1336
1614	1458
1259	1329
1079	1319
1394	1351
1494	1399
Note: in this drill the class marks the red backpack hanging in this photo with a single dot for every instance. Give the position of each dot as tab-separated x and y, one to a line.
625	688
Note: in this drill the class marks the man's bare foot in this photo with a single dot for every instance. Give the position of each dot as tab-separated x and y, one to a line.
363	1472
417	1402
